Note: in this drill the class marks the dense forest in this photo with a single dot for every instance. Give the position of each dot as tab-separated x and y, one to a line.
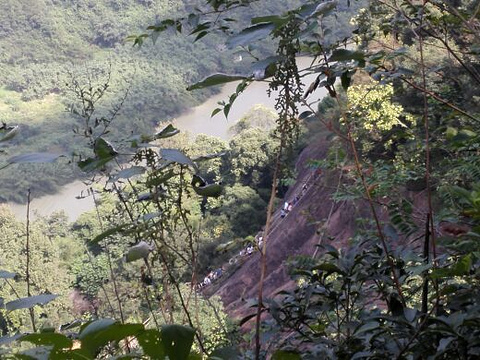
389	156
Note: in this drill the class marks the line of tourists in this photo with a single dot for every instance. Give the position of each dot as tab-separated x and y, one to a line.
251	247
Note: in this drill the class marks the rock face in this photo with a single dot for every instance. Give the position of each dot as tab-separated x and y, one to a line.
296	234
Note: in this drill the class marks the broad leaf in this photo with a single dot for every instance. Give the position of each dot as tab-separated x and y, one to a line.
36	353
305	115
462	267
177	340
103	149
6	274
151	343
209	157
128	173
109	232
246	319
100	332
91	164
265	68
34	158
211	190
177	156
139	251
286	355
160	179
274	19
8	132
225	353
250	34
5	340
50	339
329	268
167	132
324	8
217	79
29	302
347	55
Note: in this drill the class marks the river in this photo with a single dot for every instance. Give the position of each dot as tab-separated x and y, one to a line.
195	121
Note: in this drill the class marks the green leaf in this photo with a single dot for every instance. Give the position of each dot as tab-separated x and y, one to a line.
346	79
34	158
5	340
451	132
246	319
286	355
93	327
139	251
167	132
251	34
177	340
347	55
195	356
7	275
367	327
8	132
36	353
462	267
305	115
91	164
329	268
204	189
100	332
211	190
50	339
107	233
215	112
151	343
157	180
417	270
103	149
177	156
324	8
127	173
77	354
209	157
29	302
409	314
265	67
200	35
443	344
225	353
216	79
274	19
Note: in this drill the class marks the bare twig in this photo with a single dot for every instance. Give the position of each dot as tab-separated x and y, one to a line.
27	250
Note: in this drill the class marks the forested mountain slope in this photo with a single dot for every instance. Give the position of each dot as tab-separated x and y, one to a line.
50	50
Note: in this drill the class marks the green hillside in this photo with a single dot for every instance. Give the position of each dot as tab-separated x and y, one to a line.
49	50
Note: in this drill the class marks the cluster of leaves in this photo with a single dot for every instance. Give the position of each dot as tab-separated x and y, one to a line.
344	307
104	337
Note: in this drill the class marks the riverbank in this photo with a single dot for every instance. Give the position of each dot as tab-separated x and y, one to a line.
196	121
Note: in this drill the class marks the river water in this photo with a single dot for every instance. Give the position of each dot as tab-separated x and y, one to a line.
194	121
